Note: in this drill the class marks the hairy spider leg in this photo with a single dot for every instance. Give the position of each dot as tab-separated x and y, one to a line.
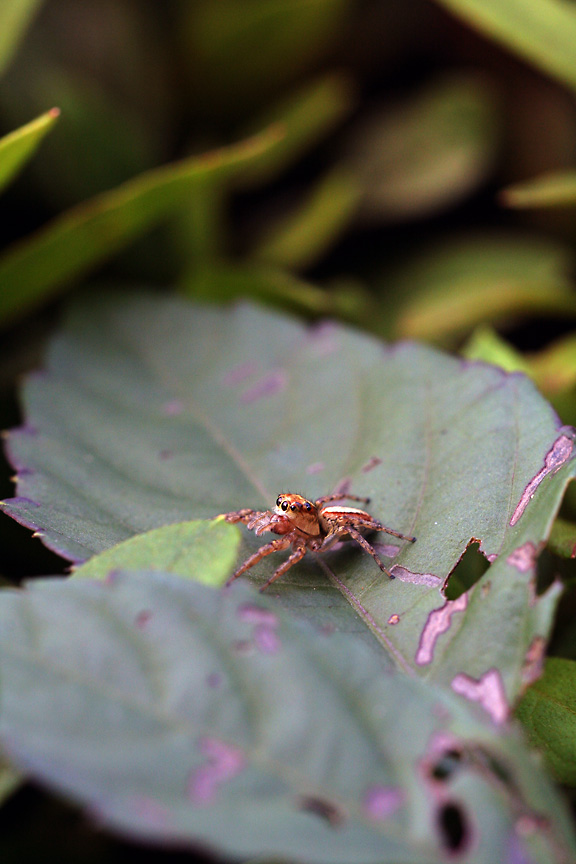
361	540
339	496
240	515
377	526
296	556
274	546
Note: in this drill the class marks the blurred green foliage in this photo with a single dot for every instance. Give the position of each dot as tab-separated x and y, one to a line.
408	167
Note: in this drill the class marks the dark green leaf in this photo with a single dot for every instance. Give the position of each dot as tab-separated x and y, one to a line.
183	715
154	411
548	713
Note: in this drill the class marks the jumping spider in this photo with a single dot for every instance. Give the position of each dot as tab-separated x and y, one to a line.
305	524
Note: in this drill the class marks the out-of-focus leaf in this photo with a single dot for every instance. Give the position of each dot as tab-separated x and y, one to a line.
541	31
487	345
304	117
183	715
299	239
203	551
90	233
562	540
153	411
15	16
225	282
554	368
429	152
9	780
244	53
19	146
551	190
447	289
548	713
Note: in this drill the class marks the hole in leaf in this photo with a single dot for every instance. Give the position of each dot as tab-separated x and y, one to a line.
326	810
453	827
446	766
467	572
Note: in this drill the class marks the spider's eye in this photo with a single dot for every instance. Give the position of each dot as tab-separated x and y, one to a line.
293	507
278	501
284	505
307	505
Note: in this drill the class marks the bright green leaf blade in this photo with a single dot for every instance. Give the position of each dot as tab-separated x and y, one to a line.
487	345
15	16
153	411
203	551
452	286
183	715
548	713
19	146
428	152
88	234
551	190
543	32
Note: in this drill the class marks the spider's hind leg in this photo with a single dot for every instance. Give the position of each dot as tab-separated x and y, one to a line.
361	540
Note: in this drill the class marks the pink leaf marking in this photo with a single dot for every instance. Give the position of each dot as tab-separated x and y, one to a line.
533	665
488	691
558	454
405	575
315	468
372	463
381	802
238	374
523	558
264	634
223	763
269	385
438	622
173	407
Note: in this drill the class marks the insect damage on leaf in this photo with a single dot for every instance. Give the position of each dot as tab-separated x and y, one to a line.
559	453
488	691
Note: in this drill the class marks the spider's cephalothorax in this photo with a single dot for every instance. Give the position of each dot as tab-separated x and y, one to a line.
304	524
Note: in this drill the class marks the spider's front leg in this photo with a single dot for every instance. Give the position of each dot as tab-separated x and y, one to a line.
274	546
241	515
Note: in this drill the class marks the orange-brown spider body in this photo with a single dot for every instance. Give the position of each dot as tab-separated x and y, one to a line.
314	525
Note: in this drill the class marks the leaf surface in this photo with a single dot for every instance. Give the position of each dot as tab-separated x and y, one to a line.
180	714
153	412
203	550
